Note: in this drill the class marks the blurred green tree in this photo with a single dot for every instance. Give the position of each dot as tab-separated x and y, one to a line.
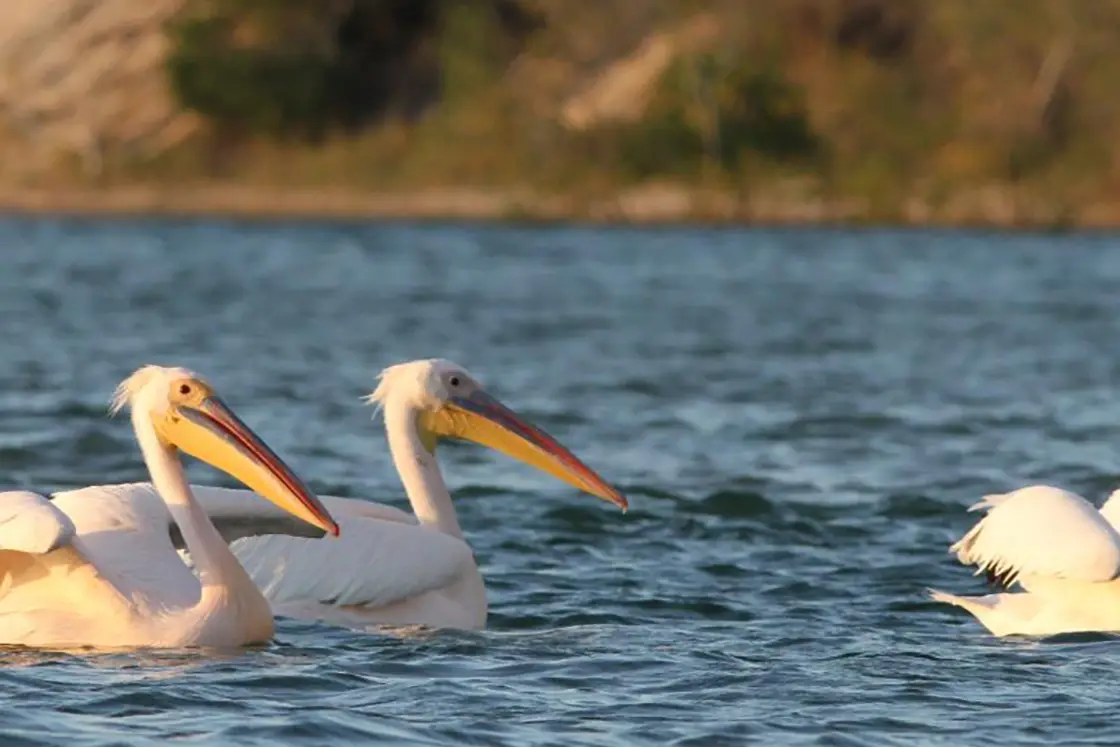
289	68
718	111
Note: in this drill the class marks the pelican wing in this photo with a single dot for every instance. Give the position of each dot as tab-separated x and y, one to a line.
381	557
1111	510
62	561
242	513
29	523
130	536
109	550
1041	532
234	513
125	532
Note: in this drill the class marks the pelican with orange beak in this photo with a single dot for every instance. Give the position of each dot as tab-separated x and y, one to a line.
389	566
97	567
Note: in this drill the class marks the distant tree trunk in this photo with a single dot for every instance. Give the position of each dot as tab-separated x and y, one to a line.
707	105
223	143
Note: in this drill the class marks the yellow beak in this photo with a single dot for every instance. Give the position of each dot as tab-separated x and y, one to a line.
211	432
481	418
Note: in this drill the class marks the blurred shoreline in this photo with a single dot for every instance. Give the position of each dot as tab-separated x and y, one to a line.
644	205
943	113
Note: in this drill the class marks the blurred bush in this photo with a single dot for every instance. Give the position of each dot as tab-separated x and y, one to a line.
295	69
266	91
710	110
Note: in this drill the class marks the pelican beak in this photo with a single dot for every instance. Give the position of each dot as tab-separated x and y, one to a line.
483	419
208	430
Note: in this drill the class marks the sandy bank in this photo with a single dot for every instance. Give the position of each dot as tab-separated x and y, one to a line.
640	205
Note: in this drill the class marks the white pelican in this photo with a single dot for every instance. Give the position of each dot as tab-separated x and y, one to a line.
1063	552
96	567
390	567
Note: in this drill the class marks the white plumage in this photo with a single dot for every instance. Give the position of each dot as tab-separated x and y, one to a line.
30	523
384	568
104	550
97	567
388	566
383	557
1056	546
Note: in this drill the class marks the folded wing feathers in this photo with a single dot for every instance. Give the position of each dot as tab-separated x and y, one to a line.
1040	531
32	524
971	550
374	563
383	556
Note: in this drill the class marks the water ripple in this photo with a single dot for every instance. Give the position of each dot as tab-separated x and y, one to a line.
800	419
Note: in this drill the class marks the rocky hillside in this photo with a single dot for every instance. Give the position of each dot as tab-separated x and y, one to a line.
81	78
912	109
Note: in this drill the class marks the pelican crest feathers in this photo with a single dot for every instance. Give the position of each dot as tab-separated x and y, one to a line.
139	380
416	378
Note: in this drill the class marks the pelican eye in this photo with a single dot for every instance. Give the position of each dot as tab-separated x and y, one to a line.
184	389
454	381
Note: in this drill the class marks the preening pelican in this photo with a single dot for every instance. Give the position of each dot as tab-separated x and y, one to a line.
96	567
1063	552
390	567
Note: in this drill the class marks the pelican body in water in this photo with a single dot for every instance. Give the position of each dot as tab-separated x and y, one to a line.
1058	548
391	567
96	567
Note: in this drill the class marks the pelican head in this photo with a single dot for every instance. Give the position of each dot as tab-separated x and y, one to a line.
452	404
186	414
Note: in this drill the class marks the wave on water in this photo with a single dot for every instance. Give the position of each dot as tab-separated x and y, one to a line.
800	421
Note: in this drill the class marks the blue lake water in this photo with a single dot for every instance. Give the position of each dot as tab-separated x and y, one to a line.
800	419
